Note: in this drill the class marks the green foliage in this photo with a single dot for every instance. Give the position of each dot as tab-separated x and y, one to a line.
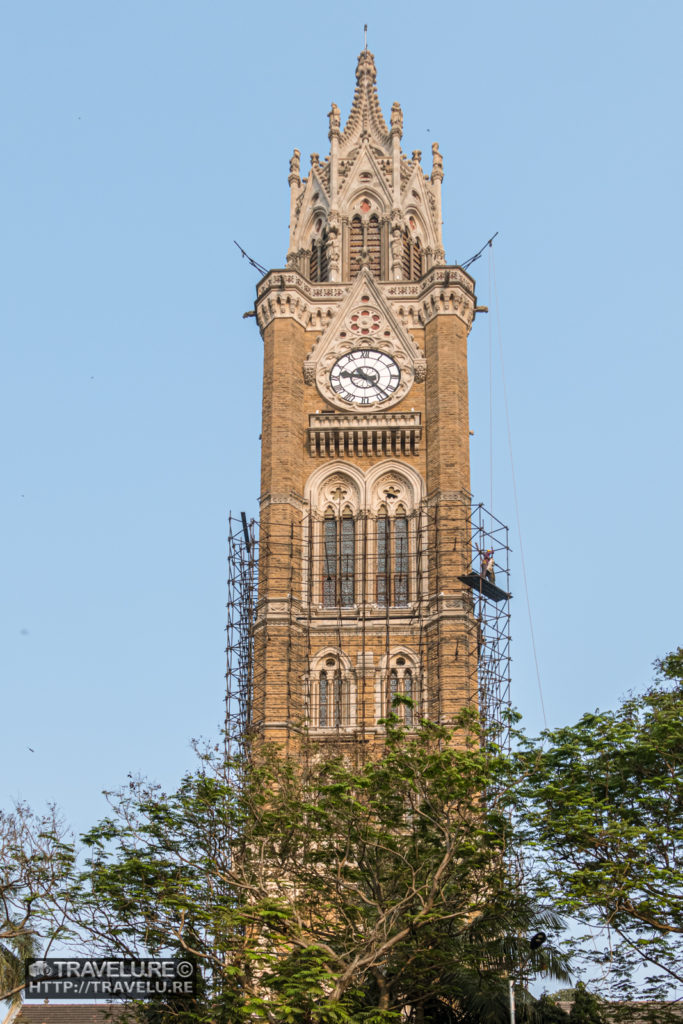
36	867
314	891
548	1011
586	1008
607	803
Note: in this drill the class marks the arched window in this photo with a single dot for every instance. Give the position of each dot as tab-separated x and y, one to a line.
408	692
323	698
339	717
416	261
374	247
393	688
393	560
402	682
411	259
405	256
383	559
401	560
339	558
330	561
347	560
355	247
319	261
330	706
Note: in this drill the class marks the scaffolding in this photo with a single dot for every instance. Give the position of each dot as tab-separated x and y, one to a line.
491	619
241	607
326	613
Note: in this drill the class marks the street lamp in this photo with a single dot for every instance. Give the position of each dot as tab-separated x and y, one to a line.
535	942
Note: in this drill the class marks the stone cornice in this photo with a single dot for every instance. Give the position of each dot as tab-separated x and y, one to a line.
443	291
447	291
290	498
364	433
440	497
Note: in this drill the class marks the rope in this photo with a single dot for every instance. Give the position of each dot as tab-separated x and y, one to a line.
492	272
490	330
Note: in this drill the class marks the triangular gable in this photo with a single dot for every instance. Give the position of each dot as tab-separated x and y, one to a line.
346	333
364	284
364	162
309	208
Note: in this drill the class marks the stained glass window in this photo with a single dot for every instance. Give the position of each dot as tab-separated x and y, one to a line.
400	561
348	556
322	700
330	562
383	555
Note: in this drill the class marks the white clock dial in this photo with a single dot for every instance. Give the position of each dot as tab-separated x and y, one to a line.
364	377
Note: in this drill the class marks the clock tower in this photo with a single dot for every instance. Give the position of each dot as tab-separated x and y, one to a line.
365	510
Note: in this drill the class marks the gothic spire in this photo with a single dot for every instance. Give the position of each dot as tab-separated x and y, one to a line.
365	120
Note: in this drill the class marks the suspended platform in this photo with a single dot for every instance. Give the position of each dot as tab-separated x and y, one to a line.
483	586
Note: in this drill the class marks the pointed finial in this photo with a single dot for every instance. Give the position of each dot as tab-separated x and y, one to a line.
365	33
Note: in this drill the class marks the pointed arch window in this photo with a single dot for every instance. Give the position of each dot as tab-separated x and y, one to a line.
415	260
405	256
319	260
330	561
339	558
355	247
323	699
402	681
383	559
408	692
393	560
401	560
330	706
347	560
374	246
411	258
393	687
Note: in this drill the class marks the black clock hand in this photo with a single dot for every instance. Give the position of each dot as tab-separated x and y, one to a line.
360	373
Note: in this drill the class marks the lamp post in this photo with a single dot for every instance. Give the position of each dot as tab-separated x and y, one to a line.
535	942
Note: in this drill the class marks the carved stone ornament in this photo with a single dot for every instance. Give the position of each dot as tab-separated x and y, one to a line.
339	491
309	372
335	118
420	370
437	161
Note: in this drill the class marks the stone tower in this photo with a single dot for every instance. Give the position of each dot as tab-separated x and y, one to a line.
365	447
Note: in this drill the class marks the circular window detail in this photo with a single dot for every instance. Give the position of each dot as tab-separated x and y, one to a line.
365	321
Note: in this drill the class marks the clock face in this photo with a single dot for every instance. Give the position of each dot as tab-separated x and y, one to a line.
364	377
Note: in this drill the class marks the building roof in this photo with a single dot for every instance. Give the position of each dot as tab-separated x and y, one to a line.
66	1013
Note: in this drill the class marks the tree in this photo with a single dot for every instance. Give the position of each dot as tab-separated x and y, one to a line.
316	891
548	1011
586	1007
607	805
36	865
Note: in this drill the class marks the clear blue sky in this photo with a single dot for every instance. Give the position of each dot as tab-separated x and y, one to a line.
140	139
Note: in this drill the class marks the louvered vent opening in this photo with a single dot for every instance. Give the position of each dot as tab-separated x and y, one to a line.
315	262
416	261
405	261
411	263
355	246
319	261
374	247
324	262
